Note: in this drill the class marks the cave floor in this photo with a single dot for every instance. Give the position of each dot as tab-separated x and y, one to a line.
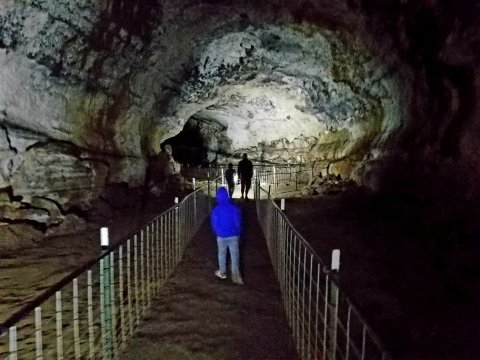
419	300
27	272
416	288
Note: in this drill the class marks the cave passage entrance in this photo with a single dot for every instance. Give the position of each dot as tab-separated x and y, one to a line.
189	147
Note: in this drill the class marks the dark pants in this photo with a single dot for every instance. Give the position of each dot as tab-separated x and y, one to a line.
231	189
245	187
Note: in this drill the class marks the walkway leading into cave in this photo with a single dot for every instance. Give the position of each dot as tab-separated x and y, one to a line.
198	316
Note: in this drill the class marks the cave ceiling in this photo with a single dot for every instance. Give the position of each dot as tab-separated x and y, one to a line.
95	87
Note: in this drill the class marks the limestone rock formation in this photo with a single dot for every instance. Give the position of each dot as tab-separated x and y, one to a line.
90	89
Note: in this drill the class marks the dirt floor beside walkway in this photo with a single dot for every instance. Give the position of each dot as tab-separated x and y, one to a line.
198	316
416	283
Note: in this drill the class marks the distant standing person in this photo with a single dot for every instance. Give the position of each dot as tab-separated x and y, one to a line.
230	177
226	223
245	171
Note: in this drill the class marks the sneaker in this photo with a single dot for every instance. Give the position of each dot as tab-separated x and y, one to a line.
237	280
220	275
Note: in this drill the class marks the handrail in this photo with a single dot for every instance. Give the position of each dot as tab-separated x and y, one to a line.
30	307
285	244
335	276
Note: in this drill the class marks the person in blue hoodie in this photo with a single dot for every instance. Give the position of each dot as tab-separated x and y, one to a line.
226	222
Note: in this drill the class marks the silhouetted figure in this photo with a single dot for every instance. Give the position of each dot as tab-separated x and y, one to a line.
226	222
230	177
245	172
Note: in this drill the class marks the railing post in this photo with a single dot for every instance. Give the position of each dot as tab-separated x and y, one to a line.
176	234
112	305
142	274
91	343
38	334
76	329
333	299
194	205
135	279
148	263
59	326
157	254
105	284
12	343
282	204
208	192
123	325
129	288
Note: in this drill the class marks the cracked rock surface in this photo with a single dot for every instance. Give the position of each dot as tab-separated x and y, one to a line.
90	89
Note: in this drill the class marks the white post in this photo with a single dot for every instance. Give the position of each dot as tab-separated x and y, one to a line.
12	343
123	325
129	288
91	346
106	296
104	241
38	334
142	273
177	233
274	175
76	329
334	298
336	259
112	305
223	178
58	317
194	205
282	204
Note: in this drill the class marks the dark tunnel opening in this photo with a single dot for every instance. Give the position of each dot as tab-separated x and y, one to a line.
189	146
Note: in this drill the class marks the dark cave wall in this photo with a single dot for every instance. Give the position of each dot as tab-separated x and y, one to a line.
439	41
431	177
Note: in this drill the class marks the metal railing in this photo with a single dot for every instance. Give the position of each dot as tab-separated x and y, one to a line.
285	176
324	322
283	179
93	312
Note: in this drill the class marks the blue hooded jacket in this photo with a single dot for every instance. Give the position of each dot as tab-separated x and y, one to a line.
226	217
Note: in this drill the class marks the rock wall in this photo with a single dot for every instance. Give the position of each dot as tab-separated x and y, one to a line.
90	89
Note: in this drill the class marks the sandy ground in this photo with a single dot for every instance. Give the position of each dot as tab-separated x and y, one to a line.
28	272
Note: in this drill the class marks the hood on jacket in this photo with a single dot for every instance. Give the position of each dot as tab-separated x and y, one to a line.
222	196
